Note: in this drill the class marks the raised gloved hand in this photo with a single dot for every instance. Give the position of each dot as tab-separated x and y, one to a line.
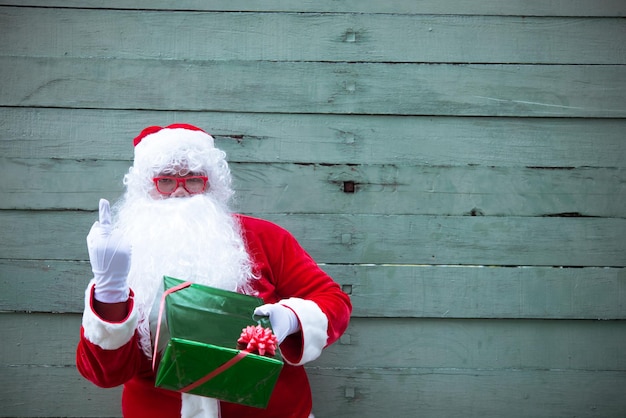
284	321
109	254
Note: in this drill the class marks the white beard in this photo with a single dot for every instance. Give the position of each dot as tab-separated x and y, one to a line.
193	239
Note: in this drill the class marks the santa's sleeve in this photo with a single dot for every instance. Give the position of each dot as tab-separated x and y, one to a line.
107	352
306	345
322	308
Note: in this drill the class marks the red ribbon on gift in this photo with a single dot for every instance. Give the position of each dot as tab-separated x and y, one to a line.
212	374
161	309
217	371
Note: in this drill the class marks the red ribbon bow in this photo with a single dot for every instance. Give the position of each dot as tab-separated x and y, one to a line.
258	340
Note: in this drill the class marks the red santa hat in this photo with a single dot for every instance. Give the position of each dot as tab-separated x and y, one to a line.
179	148
156	143
150	130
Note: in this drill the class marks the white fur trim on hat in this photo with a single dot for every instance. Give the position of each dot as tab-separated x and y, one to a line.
159	147
314	327
104	334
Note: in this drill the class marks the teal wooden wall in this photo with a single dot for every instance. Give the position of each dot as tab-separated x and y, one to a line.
484	242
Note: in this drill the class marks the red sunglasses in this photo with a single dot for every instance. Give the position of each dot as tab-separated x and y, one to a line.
192	184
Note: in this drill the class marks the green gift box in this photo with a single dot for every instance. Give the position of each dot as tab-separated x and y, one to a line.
201	325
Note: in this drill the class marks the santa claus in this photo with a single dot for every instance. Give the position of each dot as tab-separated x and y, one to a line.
174	219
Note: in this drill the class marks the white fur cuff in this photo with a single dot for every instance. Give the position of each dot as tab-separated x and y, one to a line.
104	334
314	326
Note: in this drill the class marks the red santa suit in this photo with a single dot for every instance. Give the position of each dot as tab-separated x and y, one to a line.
109	354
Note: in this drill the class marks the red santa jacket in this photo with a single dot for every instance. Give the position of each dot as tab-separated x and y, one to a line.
109	355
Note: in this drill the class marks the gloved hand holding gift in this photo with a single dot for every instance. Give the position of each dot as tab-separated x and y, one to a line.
284	321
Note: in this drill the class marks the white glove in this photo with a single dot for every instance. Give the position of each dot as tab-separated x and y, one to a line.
284	321
109	254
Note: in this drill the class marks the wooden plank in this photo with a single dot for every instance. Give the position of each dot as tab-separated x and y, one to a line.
83	179
54	392
316	188
380	291
363	392
444	376
483	292
417	343
353	88
375	239
328	36
43	285
478	345
394	189
447	7
39	340
78	180
330	139
454	393
511	241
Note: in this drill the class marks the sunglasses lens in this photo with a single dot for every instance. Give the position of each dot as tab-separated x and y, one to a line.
166	185
195	184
